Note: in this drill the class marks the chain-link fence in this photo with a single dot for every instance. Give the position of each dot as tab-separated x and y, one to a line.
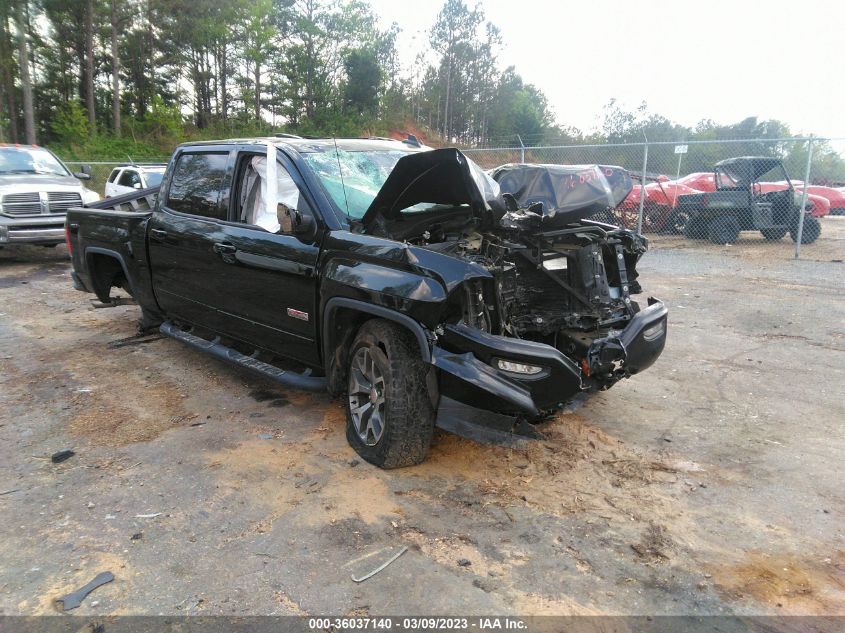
722	190
680	194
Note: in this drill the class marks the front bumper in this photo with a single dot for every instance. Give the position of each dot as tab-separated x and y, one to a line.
48	229
468	363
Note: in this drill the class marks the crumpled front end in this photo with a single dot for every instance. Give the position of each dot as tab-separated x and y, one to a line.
503	374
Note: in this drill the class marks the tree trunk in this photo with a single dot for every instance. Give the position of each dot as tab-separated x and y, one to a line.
115	71
257	74
7	77
26	81
89	65
224	71
446	105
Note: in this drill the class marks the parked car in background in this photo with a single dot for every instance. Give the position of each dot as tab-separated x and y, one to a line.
836	197
128	178
36	188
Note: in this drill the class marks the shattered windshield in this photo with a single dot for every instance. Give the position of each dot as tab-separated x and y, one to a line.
363	174
30	160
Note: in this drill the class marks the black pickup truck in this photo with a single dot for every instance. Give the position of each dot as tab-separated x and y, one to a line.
382	270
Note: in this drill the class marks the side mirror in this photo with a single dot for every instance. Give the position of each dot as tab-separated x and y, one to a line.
81	175
304	225
137	185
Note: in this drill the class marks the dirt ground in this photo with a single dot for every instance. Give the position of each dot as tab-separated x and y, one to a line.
711	484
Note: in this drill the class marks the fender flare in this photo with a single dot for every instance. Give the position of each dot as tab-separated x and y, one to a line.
336	303
97	250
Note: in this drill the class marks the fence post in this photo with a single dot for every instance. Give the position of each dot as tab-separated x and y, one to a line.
521	149
803	199
642	189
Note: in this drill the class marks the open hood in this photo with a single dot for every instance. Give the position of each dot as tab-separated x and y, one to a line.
438	177
568	192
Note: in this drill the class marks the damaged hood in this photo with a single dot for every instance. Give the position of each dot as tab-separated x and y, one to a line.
437	177
568	192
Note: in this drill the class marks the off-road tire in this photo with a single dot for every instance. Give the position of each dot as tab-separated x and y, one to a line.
677	222
811	232
409	408
724	230
773	235
695	229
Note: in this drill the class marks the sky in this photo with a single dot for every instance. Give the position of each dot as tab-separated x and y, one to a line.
709	59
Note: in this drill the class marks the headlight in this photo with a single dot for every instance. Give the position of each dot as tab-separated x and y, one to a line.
654	331
519	368
89	196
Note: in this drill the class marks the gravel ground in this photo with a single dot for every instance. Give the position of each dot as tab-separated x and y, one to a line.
711	484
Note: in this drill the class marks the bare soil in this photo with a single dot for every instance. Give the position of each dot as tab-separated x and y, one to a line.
710	484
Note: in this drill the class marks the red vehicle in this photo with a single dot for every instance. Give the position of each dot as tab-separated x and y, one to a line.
836	197
661	198
820	204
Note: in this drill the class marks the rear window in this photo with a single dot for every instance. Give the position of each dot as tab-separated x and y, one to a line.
114	174
196	184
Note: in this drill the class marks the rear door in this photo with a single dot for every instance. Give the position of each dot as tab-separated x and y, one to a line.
189	279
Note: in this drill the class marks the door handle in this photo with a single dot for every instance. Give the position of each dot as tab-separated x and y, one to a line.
224	248
158	234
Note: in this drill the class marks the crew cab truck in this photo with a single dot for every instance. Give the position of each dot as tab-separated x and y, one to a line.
379	270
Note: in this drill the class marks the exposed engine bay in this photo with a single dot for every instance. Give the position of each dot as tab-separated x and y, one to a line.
545	272
564	287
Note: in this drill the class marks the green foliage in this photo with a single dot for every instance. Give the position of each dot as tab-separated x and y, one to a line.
202	69
70	124
363	80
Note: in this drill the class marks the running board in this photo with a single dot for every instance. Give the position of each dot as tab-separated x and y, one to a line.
218	350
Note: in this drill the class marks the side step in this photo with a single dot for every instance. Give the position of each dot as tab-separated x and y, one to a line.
217	349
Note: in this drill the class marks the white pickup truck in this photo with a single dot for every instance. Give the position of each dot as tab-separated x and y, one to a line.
36	189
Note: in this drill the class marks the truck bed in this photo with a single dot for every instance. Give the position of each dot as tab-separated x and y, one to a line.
107	244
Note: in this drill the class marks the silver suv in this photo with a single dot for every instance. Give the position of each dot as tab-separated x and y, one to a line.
36	189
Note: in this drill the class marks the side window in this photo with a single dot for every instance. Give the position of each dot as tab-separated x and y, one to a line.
252	205
196	184
128	178
114	174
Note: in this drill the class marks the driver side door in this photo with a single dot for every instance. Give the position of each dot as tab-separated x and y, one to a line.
271	283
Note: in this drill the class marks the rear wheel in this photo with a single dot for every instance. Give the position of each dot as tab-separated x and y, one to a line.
811	232
389	411
678	222
773	235
723	230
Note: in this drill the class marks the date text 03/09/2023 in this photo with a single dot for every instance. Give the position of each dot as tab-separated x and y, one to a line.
418	624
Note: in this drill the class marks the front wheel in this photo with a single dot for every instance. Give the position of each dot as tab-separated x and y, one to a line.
811	232
390	411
